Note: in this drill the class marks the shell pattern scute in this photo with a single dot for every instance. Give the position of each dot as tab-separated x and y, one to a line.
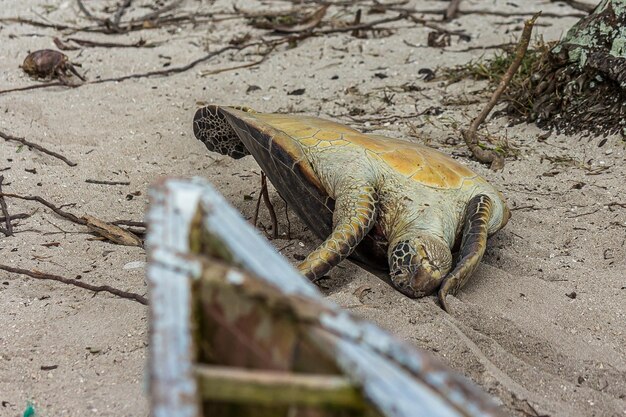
301	127
329	135
359	139
417	162
309	142
324	144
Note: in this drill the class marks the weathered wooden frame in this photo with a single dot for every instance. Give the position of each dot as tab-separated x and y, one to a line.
394	378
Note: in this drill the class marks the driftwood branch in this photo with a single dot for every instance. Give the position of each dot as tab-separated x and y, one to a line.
471	137
69	281
112	232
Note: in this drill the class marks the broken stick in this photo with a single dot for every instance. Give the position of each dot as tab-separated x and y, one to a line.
112	232
107	230
5	211
452	10
95	288
40	148
471	137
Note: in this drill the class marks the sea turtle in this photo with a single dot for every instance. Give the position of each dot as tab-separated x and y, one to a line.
388	204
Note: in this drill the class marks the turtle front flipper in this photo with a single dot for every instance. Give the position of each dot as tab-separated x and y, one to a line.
355	213
474	242
212	129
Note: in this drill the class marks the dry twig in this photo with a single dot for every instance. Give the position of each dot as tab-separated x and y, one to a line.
32	145
23	21
17	216
578	5
88	14
258	62
108	230
169	71
263	194
370	26
255	216
175	70
101	182
308	23
269	205
64	46
157	13
57	210
117	16
486	12
37	86
470	135
129	223
5	211
95	288
615	204
452	10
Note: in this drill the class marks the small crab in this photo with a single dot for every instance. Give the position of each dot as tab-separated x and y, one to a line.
48	64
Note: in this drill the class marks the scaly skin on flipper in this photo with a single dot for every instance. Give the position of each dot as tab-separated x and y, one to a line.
354	216
473	246
418	200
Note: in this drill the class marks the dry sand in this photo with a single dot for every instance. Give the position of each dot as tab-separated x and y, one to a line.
541	325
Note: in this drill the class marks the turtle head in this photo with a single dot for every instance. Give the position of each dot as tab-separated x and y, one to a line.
418	265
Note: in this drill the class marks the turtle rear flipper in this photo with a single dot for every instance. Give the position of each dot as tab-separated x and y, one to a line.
473	245
212	129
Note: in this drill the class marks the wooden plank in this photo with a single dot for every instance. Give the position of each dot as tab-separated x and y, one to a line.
396	378
238	385
172	384
251	251
394	391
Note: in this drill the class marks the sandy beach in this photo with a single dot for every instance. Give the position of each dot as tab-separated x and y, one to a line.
540	326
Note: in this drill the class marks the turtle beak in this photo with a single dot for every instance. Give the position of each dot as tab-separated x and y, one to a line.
417	282
418	267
